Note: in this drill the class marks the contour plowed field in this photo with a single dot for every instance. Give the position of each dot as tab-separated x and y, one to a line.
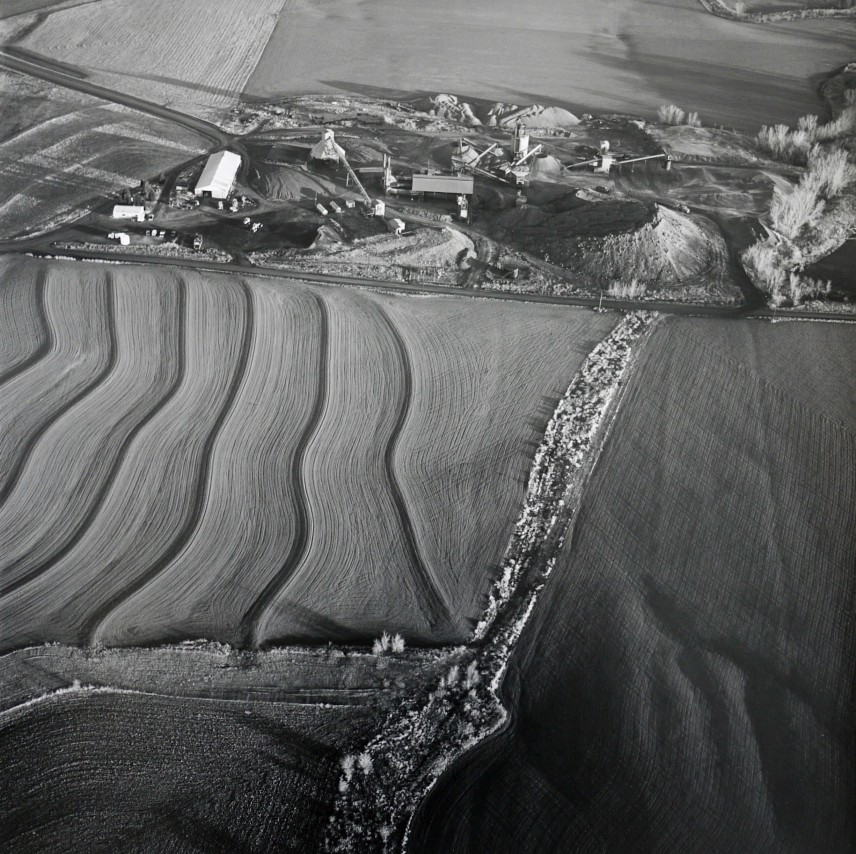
140	772
251	461
686	680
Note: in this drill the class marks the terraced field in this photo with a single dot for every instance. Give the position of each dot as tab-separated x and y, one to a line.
686	681
252	461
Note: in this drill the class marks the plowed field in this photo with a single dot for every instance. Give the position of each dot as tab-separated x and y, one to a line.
140	772
248	461
686	680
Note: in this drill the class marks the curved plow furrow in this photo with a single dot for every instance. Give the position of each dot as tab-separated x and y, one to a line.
89	630
75	467
153	495
430	595
254	509
26	336
251	620
39	397
356	566
486	379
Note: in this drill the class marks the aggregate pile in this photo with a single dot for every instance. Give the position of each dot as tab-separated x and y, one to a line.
497	114
608	241
536	115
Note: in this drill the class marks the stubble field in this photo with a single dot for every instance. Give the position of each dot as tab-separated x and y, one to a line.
166	51
255	461
72	150
686	682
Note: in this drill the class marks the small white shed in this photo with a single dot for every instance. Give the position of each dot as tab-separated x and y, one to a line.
137	212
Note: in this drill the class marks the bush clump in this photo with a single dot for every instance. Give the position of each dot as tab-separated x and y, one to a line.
670	114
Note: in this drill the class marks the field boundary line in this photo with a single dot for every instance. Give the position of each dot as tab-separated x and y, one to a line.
75	689
426	289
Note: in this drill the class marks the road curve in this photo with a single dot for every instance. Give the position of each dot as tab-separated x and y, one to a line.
253	619
23	458
89	630
429	596
36	68
110	477
47	341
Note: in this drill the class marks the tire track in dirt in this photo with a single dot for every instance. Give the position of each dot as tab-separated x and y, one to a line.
47	341
27	451
98	503
252	620
427	588
89	630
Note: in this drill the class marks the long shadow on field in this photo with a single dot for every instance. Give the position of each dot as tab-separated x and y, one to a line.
251	623
89	630
110	477
17	468
47	341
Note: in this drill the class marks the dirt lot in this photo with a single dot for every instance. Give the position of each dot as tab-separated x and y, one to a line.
686	680
225	424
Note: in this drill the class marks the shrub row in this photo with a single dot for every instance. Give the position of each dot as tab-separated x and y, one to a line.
795	146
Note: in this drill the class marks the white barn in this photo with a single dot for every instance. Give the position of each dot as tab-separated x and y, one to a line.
218	175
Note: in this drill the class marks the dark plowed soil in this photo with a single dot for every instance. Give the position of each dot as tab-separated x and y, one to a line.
141	773
686	681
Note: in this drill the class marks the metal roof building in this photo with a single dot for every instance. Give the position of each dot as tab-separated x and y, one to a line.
218	175
453	184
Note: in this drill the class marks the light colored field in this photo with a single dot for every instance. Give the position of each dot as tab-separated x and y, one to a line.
69	154
79	319
263	461
80	452
156	495
626	56
686	681
167	51
24	334
247	525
